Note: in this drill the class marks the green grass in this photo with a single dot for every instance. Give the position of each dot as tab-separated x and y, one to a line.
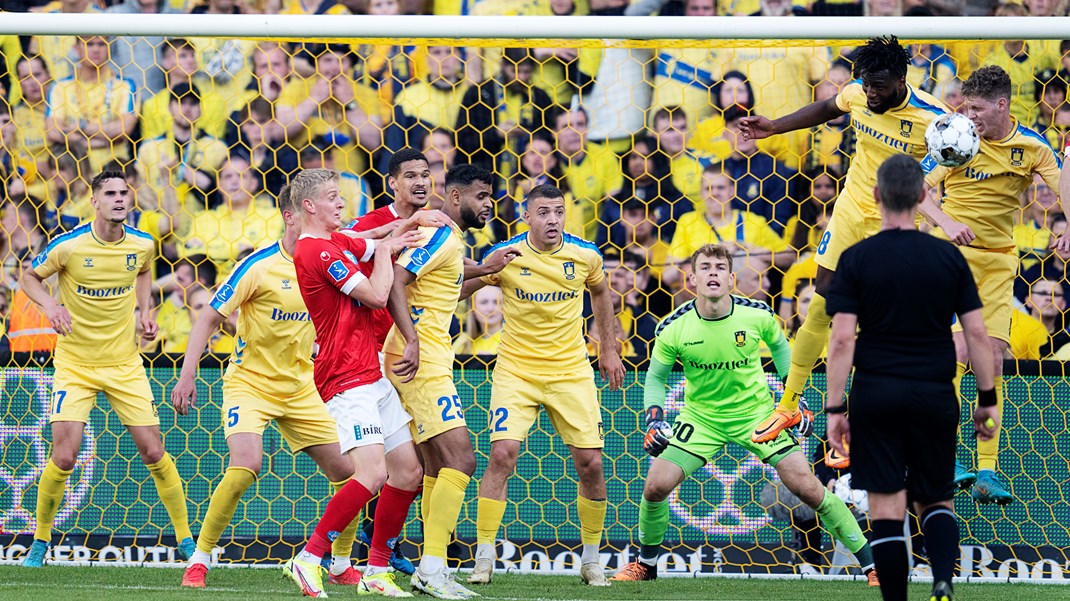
154	584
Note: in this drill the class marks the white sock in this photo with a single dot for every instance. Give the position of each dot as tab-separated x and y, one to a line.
590	554
485	551
373	570
429	564
307	557
340	564
200	557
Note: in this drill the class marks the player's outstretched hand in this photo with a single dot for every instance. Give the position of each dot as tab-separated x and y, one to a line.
431	218
658	432
184	395
497	260
959	233
149	327
409	363
756	127
59	318
986	422
839	432
1061	244
612	369
397	244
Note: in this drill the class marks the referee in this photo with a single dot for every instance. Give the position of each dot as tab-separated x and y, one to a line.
900	291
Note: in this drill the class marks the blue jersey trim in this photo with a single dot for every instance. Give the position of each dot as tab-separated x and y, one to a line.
228	287
1029	133
569	238
76	232
921	104
133	231
515	239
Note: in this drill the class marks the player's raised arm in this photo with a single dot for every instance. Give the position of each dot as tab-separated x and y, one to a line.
375	290
758	127
398	305
184	394
609	363
491	263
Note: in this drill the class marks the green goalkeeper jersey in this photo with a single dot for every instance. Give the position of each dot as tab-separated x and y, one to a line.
721	359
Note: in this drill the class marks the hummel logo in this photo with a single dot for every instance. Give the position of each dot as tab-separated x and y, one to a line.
693	343
525	271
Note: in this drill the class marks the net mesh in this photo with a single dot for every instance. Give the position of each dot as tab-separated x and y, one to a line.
208	131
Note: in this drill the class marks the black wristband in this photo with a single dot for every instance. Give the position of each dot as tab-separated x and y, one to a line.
655	414
986	398
836	410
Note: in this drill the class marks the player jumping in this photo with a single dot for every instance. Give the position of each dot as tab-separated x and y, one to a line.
716	338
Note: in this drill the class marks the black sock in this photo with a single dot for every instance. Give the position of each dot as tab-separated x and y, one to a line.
941	541
648	555
890	556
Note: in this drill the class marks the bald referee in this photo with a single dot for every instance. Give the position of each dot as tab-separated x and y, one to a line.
899	290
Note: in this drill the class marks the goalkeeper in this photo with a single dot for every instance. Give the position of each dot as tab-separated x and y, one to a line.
716	338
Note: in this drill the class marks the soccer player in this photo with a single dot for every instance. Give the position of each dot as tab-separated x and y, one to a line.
899	289
371	423
269	379
419	361
716	338
889	118
103	269
980	201
542	361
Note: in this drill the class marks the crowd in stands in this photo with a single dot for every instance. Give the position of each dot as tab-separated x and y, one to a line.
644	142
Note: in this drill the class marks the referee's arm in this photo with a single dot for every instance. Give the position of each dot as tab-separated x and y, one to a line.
986	415
840	359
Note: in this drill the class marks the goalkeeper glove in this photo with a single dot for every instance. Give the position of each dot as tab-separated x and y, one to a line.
806	423
658	432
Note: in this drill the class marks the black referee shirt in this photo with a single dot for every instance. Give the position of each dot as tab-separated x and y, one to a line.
905	286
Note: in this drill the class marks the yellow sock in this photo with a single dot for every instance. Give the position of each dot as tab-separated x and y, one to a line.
810	341
49	497
225	497
960	370
169	487
443	509
425	497
489	514
987	450
592	520
343	545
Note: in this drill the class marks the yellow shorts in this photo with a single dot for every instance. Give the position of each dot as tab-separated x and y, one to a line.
302	418
75	388
570	400
847	226
994	273
430	398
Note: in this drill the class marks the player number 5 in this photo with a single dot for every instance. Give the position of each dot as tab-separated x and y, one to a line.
451	407
232	417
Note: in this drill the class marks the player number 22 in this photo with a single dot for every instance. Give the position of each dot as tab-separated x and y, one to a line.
451	407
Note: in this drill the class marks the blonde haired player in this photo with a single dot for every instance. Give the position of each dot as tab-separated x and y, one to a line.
542	362
103	269
980	200
889	117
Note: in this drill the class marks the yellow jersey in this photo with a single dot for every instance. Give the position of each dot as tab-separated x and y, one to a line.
1028	334
1033	241
72	102
275	333
438	265
1021	69
431	104
96	285
684	77
591	180
201	152
781	77
686	169
156	119
222	232
58	51
743	227
175	325
984	192
313	7
30	140
542	303
900	130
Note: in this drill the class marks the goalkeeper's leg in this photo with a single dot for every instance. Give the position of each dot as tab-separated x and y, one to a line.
795	473
490	511
664	475
810	342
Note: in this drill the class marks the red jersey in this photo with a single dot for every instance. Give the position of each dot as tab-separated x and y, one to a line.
373	219
327	271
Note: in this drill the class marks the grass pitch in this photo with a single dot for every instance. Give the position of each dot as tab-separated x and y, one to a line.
63	583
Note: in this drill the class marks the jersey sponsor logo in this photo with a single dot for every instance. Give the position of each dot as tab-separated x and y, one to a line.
905	127
1017	154
103	292
727	365
977	175
223	294
350	256
325	256
338	271
420	256
286	285
88	262
741	338
885	139
280	315
546	297
570	270
131	261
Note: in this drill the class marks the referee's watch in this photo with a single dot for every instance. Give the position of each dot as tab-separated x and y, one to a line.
836	409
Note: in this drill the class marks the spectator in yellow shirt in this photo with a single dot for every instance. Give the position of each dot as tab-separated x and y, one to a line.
483	327
433	102
93	106
592	171
29	116
1028	336
540	164
439	146
351	187
67	203
178	60
640	238
671	131
239	223
1034	231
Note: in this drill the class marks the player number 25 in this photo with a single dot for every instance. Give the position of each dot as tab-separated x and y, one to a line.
451	407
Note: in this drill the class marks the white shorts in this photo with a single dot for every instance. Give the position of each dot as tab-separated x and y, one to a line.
370	414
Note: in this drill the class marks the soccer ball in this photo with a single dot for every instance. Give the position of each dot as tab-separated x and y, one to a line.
951	140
